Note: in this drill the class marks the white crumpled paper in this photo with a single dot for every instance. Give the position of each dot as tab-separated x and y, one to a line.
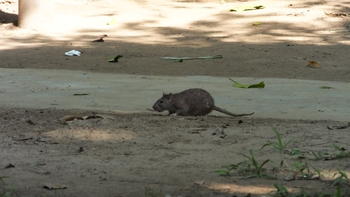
72	53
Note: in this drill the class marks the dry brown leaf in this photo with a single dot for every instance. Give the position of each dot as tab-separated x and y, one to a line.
92	117
313	64
101	38
337	14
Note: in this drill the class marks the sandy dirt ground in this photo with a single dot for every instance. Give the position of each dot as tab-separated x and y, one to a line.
149	155
152	155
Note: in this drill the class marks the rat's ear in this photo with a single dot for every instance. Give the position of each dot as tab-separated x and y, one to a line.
167	95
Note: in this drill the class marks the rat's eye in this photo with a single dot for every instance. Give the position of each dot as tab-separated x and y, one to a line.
161	101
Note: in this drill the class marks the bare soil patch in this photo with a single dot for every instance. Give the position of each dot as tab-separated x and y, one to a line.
144	154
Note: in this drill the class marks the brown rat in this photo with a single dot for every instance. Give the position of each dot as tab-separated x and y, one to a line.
190	102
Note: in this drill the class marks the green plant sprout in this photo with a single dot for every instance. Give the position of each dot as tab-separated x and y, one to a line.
279	144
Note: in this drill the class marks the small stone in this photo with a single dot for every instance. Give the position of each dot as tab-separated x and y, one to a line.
81	149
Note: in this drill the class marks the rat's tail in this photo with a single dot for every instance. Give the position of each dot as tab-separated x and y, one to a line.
229	113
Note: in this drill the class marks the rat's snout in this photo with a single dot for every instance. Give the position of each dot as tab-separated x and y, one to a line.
156	107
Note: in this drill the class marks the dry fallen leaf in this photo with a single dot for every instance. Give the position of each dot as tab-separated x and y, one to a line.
80	94
115	59
247	8
313	64
101	38
10	165
54	187
337	14
239	85
71	118
92	117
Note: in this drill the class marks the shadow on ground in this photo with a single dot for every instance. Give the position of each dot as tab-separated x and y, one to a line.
280	49
274	60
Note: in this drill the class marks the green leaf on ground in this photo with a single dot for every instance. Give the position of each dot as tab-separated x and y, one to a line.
257	23
247	8
326	87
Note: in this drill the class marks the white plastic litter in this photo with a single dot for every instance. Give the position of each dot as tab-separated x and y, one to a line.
72	53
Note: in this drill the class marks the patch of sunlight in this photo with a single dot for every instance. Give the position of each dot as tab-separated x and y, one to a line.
331	174
244	189
345	42
299	38
179	23
13	45
92	134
